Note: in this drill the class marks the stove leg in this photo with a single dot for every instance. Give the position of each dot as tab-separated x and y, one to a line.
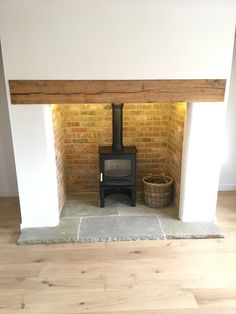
102	202
133	197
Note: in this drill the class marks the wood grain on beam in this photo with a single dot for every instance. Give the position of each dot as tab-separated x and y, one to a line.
103	91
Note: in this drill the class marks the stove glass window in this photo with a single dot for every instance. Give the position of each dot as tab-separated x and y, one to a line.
117	168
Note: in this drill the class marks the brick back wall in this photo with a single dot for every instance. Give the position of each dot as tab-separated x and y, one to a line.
175	142
57	120
145	125
86	126
151	127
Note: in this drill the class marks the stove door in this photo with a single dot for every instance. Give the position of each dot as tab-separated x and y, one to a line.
117	170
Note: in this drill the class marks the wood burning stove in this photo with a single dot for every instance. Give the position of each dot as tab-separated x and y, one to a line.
117	162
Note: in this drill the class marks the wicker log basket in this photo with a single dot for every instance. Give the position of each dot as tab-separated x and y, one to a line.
157	190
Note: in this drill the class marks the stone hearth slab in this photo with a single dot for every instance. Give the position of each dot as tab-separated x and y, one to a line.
118	228
176	229
82	220
76	207
66	231
142	209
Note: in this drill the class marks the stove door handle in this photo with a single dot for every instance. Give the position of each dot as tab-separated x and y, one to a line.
101	177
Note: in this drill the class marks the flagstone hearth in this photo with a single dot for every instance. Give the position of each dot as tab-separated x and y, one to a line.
82	220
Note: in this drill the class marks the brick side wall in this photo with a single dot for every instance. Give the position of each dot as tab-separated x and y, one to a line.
175	143
59	149
151	127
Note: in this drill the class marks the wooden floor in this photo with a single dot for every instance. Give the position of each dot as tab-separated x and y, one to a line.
177	276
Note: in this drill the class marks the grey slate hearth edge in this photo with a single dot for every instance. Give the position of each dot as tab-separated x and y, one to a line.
118	228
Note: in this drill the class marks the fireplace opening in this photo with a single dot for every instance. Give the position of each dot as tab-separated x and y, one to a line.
155	129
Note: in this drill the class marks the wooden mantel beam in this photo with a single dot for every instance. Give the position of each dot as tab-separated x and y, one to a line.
106	91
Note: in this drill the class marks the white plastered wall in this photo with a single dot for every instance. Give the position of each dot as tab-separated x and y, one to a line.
36	166
110	39
228	170
106	39
201	161
8	183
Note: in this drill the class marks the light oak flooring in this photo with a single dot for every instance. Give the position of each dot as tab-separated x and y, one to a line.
149	277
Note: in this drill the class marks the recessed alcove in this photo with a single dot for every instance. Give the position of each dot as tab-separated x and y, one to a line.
156	129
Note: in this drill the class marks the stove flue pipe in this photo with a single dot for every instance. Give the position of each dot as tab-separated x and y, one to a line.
117	127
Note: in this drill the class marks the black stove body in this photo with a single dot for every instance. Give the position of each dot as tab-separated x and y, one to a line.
117	162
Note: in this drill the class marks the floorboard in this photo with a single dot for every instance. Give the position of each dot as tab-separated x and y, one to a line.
140	277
